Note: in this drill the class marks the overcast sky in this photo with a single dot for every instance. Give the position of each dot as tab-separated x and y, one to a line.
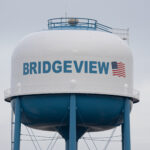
21	17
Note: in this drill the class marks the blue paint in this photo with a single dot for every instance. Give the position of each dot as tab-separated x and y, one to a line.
17	124
79	24
67	144
72	123
100	112
25	68
122	134
94	113
67	66
78	67
33	66
92	67
103	67
86	67
57	68
39	67
46	66
126	126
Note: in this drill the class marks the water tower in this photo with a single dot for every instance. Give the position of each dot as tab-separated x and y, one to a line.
75	77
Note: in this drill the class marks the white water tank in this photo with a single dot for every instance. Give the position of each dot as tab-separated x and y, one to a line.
72	61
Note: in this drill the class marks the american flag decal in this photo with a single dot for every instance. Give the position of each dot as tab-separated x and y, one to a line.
118	69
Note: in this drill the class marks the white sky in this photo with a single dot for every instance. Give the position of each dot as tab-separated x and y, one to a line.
21	17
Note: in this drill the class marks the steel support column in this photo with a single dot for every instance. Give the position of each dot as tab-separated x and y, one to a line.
122	129
126	145
67	144
17	124
72	124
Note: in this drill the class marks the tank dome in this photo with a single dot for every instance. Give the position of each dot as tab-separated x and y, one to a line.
72	61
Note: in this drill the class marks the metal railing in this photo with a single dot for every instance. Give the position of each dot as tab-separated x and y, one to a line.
76	23
70	23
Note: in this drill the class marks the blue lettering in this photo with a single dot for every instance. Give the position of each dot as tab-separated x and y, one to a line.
92	66
39	67
86	67
67	66
103	67
25	68
33	68
46	67
78	67
57	68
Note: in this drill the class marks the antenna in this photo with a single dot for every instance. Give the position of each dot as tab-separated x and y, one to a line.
66	7
65	13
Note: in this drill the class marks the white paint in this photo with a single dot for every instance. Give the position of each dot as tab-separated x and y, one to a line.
71	45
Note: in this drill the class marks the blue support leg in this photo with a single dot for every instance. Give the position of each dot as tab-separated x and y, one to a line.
126	126
72	124
67	144
17	125
122	129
